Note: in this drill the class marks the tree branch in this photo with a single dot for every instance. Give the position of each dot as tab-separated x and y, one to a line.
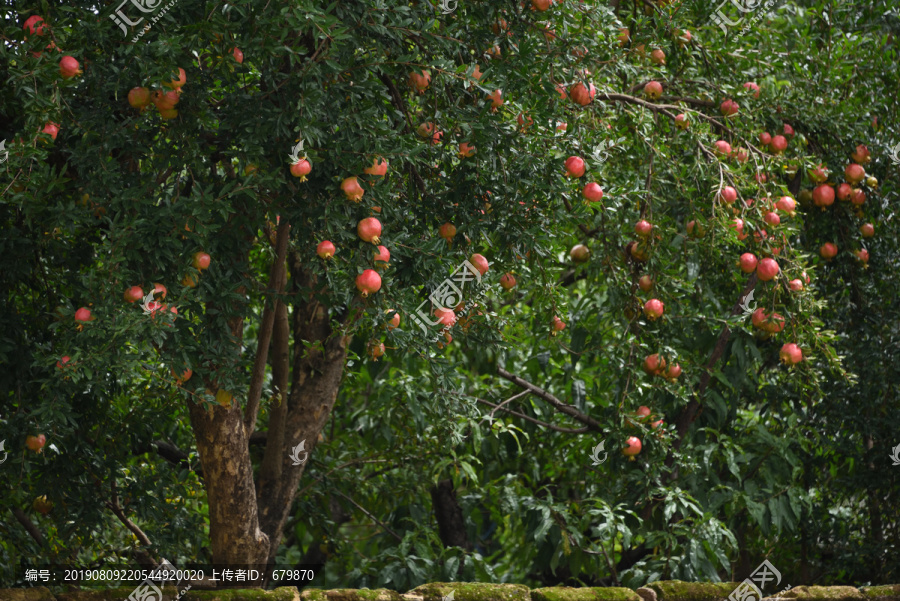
689	414
277	279
28	525
273	457
532	420
113	505
170	453
558	404
371	517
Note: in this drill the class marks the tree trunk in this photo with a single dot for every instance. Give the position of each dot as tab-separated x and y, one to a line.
315	380
451	524
235	536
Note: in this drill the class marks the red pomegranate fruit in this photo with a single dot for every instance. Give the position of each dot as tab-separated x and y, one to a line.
654	309
325	249
748	262
574	167
767	270
369	230
368	282
593	192
790	354
480	263
69	67
828	251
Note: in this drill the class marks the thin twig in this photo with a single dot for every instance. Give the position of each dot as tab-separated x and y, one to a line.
372	517
113	505
533	420
558	404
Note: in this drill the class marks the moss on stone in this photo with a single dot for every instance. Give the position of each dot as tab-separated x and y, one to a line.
567	593
472	591
284	593
313	594
832	593
378	594
108	594
676	590
350	594
887	592
38	593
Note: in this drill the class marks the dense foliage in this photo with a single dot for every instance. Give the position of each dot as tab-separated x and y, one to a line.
754	458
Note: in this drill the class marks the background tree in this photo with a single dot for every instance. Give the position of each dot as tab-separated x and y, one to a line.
169	432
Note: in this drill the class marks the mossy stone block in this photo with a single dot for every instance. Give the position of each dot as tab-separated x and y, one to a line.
38	593
110	594
830	593
283	593
349	594
676	590
567	593
887	592
470	591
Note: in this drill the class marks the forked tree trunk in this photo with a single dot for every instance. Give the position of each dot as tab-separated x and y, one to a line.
235	536
246	521
315	380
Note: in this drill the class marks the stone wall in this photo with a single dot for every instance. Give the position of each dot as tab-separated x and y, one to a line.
670	590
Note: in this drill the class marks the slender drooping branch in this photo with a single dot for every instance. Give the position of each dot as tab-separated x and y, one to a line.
558	404
532	420
113	505
277	279
28	525
690	411
371	517
270	470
